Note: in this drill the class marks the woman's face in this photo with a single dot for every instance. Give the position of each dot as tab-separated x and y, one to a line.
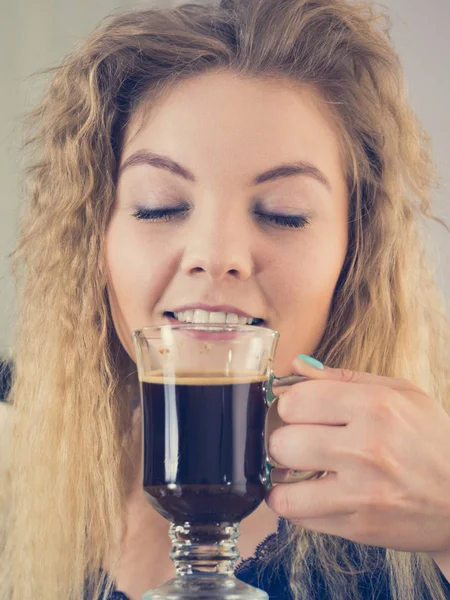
250	175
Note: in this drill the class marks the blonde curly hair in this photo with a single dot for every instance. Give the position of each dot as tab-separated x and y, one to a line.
66	490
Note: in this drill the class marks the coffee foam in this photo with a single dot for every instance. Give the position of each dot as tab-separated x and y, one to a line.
204	378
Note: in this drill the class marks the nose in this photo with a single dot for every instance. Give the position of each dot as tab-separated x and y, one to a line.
219	246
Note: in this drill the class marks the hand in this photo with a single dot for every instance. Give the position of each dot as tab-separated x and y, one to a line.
385	444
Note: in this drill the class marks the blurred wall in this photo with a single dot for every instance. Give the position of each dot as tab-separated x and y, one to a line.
36	34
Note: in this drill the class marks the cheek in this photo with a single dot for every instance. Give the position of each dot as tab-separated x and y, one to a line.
309	272
128	266
303	287
134	272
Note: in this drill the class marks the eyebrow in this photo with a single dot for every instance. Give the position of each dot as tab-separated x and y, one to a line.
145	157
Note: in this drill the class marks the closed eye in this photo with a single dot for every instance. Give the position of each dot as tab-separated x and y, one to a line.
159	214
172	214
293	221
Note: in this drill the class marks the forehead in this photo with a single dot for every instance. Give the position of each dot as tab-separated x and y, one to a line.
222	120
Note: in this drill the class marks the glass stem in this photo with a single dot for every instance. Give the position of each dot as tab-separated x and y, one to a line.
204	548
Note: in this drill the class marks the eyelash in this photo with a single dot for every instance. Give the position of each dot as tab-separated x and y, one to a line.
170	214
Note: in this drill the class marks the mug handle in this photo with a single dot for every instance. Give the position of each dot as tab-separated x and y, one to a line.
293	475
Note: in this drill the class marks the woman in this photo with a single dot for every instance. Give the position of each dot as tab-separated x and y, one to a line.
258	158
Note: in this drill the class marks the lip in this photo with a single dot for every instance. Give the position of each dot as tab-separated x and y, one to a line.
218	308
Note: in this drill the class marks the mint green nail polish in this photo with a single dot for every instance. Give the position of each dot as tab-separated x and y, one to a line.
267	470
311	361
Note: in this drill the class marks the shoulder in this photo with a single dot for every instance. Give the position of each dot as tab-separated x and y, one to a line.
6	414
5	409
6	369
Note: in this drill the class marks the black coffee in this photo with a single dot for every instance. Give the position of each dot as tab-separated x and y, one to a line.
204	447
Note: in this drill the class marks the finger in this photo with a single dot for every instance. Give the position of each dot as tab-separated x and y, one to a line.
335	403
348	376
312	499
307	447
319	403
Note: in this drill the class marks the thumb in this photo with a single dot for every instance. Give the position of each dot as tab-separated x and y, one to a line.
314	369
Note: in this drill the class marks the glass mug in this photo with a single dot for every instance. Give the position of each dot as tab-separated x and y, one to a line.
205	392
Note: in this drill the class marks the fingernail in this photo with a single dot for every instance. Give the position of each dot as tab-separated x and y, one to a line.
309	360
267	477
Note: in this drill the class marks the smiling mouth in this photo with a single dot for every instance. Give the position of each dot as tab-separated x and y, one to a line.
201	317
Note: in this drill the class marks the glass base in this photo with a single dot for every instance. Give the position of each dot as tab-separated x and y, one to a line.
205	585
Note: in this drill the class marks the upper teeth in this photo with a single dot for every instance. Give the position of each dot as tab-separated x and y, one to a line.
203	316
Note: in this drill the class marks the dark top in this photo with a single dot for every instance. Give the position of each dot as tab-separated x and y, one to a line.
271	576
5	378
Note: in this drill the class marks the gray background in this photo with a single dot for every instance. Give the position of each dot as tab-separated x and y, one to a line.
36	34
